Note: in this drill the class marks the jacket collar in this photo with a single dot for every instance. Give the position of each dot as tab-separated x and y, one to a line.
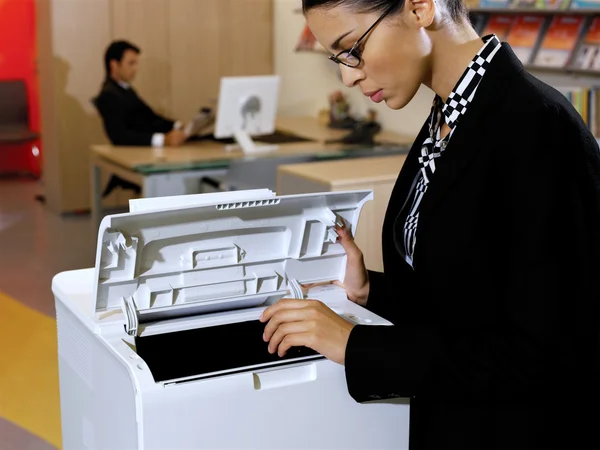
463	93
118	84
462	148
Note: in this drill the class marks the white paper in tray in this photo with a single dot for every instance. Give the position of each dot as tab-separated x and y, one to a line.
162	203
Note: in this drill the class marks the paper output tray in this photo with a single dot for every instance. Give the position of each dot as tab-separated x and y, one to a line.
206	351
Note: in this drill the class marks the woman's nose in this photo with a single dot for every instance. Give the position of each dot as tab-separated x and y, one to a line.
350	75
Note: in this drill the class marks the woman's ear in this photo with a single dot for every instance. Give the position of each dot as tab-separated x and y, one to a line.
421	12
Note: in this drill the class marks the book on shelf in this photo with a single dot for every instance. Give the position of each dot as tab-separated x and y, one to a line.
557	5
559	42
493	4
586	100
522	4
585	4
540	4
587	55
525	35
500	25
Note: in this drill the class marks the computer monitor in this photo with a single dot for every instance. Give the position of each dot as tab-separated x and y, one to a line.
247	107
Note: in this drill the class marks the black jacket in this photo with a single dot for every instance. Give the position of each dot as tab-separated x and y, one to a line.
128	120
496	330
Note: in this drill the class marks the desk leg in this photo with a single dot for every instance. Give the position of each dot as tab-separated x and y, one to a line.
97	212
149	186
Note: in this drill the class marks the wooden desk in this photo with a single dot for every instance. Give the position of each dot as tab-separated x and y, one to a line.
205	151
310	128
378	174
178	170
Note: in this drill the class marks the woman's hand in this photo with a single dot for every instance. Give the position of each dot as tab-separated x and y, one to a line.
356	280
308	323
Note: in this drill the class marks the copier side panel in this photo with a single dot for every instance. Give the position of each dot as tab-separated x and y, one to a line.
97	395
305	405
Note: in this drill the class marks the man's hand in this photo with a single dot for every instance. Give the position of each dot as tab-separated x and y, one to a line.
308	323
175	138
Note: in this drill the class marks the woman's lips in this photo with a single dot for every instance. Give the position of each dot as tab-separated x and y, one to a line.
376	96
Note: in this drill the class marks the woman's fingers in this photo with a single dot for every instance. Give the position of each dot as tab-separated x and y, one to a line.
282	304
315	326
287	331
288	311
347	241
295	340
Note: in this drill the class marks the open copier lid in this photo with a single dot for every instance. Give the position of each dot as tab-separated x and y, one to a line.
185	256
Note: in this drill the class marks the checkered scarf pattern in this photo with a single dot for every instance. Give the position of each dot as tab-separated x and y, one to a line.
434	145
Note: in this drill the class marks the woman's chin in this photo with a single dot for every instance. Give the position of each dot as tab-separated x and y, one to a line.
394	104
397	103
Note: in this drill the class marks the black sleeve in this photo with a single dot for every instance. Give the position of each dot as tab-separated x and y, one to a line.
111	110
159	123
547	296
391	298
377	291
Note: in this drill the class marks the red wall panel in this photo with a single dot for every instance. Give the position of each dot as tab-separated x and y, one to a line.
18	57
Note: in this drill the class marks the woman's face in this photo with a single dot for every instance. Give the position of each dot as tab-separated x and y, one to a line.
395	55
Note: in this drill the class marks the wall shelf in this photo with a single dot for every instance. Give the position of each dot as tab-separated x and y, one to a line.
562	70
586	12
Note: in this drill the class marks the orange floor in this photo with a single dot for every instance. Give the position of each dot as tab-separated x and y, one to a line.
29	395
35	244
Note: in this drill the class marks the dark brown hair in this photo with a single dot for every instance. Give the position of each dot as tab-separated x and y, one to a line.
456	7
115	52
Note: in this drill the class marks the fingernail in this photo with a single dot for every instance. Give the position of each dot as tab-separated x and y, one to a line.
264	337
261	317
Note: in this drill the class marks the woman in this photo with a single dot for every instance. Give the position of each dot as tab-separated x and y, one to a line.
491	241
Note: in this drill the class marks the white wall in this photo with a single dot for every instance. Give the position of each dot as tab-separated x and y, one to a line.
308	78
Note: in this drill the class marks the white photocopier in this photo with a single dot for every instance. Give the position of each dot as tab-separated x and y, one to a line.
160	346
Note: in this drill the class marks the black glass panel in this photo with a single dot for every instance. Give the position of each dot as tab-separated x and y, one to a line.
212	349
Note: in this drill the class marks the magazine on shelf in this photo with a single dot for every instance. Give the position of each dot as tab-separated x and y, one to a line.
587	56
500	25
525	35
559	42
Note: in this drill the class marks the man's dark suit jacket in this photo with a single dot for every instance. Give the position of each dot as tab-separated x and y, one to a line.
496	330
128	120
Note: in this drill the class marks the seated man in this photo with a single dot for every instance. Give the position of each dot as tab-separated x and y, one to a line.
128	120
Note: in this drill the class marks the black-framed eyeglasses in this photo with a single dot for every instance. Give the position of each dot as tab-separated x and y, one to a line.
349	57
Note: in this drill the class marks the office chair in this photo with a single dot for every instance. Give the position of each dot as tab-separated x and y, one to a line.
14	116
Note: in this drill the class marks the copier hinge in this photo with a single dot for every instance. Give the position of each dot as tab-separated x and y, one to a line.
295	289
131	318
